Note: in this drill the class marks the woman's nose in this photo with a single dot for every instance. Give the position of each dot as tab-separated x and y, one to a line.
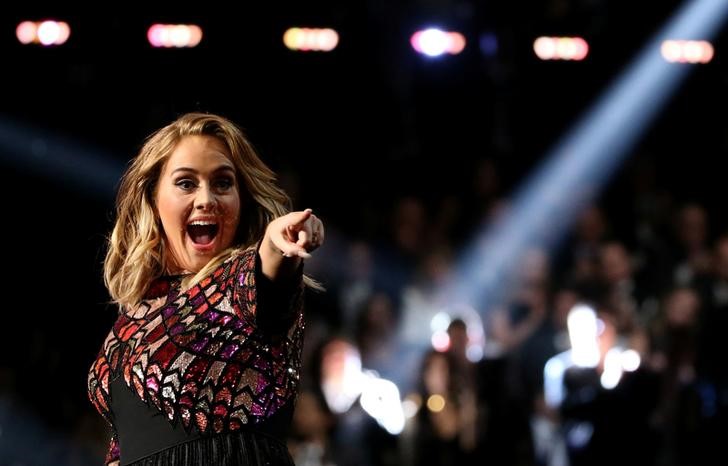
205	199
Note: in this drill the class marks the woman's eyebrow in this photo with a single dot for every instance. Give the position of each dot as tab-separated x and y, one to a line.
221	168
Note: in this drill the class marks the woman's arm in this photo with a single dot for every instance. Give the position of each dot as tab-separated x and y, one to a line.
112	455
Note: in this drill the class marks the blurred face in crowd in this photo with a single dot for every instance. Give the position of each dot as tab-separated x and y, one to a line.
692	226
458	333
682	307
721	258
615	263
198	202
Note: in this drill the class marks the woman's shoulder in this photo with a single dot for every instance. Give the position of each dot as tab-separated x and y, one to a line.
242	254
240	261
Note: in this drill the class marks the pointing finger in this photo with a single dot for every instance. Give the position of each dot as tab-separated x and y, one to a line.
299	218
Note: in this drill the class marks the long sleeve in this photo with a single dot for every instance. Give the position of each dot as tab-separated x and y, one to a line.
112	456
278	304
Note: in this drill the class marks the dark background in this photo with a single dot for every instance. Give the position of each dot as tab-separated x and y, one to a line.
353	129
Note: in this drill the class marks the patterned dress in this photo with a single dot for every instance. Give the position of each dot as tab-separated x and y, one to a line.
218	362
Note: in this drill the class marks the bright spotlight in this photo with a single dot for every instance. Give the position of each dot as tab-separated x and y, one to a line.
46	33
561	48
434	42
583	332
174	35
630	360
687	51
311	39
380	399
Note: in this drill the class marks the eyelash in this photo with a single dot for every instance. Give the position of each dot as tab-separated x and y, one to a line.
185	184
223	184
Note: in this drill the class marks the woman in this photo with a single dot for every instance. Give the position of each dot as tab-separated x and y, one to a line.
205	263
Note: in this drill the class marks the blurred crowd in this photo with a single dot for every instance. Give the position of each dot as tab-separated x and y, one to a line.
651	263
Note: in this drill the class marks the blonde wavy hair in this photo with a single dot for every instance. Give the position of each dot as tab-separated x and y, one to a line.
137	253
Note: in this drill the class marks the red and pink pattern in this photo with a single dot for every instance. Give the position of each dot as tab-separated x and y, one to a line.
198	356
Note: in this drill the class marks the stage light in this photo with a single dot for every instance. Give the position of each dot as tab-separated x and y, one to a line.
26	32
583	330
687	51
561	48
311	39
380	399
434	42
174	35
46	33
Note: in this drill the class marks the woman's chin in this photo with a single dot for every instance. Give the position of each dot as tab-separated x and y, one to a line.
200	254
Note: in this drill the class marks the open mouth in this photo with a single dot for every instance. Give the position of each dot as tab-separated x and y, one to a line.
202	232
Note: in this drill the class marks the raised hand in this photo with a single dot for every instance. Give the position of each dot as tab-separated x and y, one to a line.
296	234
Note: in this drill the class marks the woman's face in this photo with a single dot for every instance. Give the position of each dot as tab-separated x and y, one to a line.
198	202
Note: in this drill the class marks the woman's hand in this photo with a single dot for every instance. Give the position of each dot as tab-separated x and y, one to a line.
294	235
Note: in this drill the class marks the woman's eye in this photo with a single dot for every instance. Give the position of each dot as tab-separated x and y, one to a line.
185	184
224	184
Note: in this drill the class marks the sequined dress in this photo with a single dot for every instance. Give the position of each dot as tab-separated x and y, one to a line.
203	376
